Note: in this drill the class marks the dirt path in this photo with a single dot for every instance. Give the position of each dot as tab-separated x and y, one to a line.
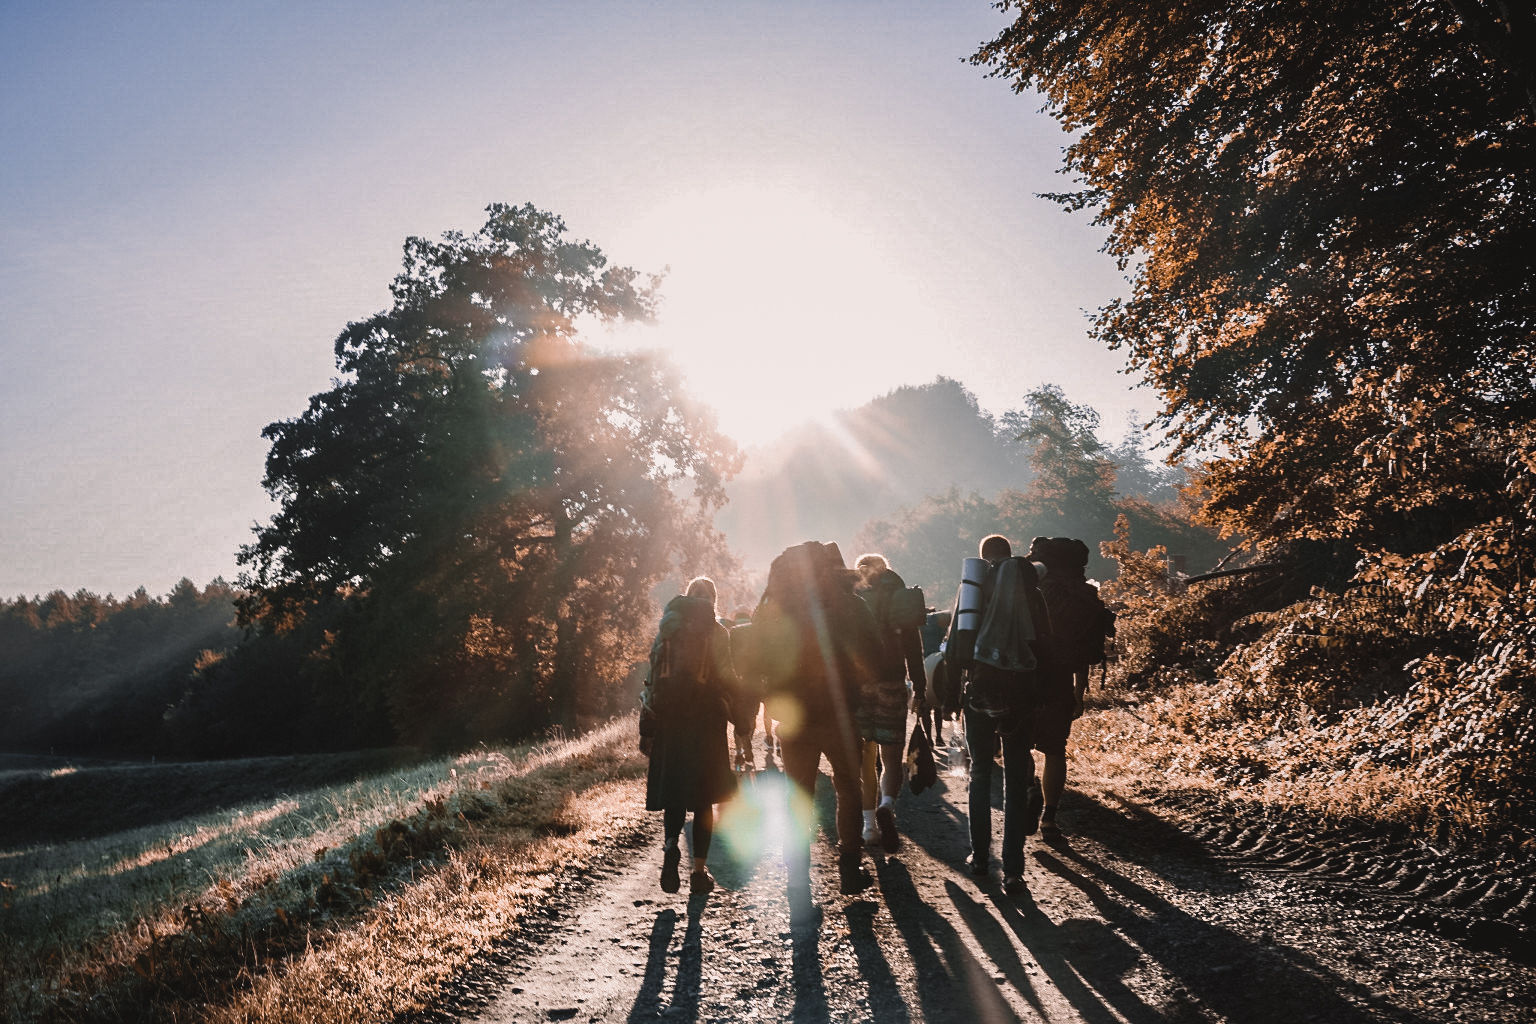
1138	915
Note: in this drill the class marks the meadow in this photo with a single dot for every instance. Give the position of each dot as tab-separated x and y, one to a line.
227	913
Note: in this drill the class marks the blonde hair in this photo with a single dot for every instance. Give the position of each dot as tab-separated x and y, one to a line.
871	565
702	586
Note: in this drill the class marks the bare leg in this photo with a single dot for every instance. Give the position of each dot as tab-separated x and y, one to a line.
1054	779
891	779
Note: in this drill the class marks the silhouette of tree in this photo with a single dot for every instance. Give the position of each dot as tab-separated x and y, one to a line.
478	508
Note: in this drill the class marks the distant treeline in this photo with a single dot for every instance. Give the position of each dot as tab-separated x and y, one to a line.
83	674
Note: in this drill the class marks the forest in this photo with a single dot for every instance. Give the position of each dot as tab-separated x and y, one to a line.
1326	214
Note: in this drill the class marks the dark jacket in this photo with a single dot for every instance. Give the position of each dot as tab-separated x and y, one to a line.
818	650
690	758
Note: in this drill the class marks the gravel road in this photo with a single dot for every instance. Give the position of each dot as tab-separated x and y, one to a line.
1149	909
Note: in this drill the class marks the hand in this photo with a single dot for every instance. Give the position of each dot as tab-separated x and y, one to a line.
647	743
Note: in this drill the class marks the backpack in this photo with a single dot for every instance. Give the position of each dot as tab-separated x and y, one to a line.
807	633
999	654
895	606
1079	619
1082	623
680	656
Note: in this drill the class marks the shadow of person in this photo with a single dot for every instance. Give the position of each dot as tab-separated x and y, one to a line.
1277	983
809	982
648	1000
952	985
1105	1000
885	999
944	833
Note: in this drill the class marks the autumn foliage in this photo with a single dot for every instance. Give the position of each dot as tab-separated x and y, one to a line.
1329	212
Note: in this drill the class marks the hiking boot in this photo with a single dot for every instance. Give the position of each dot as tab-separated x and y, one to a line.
1013	885
885	820
1034	804
701	882
1048	825
977	866
853	879
670	859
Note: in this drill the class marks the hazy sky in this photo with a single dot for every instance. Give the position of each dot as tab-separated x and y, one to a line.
196	197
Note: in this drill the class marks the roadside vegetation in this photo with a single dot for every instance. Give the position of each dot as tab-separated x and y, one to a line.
1400	700
350	902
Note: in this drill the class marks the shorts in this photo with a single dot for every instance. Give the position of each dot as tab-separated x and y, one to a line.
882	714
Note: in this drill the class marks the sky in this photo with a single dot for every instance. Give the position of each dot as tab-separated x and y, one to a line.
196	197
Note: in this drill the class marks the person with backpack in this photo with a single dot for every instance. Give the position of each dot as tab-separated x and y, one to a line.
1081	624
819	647
748	663
688	699
882	716
1001	639
940	704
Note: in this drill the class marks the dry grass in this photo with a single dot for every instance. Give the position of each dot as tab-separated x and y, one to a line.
1177	740
361	916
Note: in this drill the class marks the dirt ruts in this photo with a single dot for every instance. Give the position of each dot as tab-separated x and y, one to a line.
1152	907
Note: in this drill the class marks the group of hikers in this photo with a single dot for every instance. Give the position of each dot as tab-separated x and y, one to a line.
836	658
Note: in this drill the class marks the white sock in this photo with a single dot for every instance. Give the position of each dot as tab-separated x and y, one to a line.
887	801
869	819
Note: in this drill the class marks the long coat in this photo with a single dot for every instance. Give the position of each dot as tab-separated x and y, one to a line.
690	758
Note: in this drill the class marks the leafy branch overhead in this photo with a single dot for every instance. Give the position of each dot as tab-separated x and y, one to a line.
1329	211
1329	214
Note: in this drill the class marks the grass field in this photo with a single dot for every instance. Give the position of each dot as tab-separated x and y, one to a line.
225	905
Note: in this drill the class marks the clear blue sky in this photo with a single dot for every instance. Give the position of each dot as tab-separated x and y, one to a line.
196	197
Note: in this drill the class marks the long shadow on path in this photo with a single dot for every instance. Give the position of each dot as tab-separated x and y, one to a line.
952	984
1217	968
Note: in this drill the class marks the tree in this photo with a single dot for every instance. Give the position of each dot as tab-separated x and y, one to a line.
479	506
1135	474
1331	214
1070	492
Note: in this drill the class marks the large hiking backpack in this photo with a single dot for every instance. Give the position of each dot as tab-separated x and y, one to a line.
1081	623
810	628
999	655
680	656
895	606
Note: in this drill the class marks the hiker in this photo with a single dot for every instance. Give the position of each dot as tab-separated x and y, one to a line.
882	712
687	701
938	707
1080	624
1001	638
753	689
819	646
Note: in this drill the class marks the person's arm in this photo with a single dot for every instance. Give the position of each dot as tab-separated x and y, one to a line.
912	653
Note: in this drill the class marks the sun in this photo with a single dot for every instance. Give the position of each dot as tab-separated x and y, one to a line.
779	308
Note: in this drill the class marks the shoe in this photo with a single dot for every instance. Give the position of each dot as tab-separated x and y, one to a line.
885	819
977	868
871	835
669	862
701	881
1034	804
1013	885
1049	827
854	880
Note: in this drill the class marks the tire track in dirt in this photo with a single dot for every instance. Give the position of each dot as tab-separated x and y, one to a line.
1142	913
